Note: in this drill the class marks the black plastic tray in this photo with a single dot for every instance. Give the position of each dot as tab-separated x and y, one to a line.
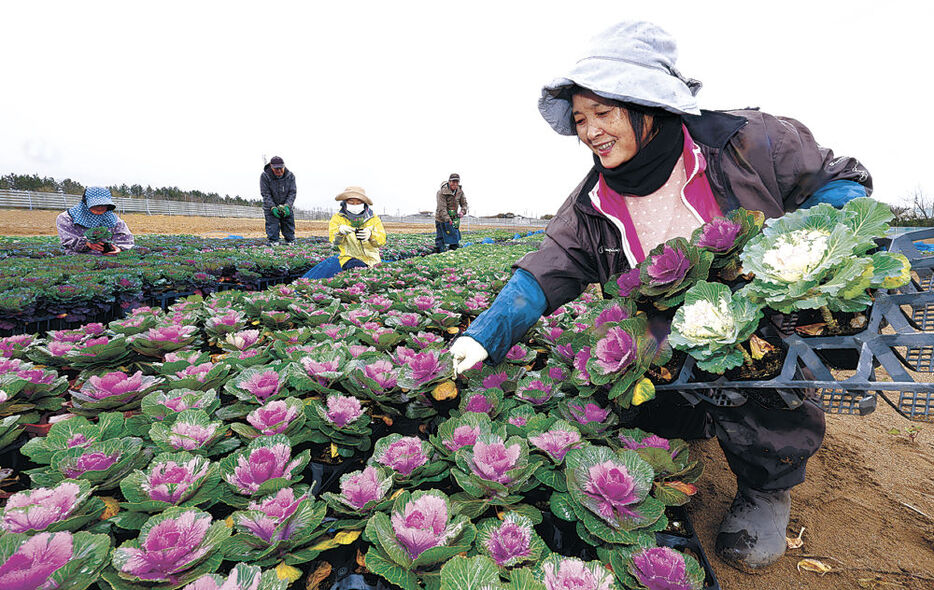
687	541
898	339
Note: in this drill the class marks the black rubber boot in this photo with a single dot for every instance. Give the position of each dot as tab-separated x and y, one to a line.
752	534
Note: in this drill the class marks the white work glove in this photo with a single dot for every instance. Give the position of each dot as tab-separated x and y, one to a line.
466	353
344	230
364	234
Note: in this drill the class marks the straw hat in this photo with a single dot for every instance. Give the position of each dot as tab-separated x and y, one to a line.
354	192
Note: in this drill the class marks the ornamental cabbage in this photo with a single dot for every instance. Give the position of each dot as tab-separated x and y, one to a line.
173	548
819	258
712	325
421	532
66	507
52	561
670	269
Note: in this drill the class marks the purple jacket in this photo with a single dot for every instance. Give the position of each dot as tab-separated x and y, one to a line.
72	236
754	160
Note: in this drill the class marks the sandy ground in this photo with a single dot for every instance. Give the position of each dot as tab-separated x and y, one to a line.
18	222
867	506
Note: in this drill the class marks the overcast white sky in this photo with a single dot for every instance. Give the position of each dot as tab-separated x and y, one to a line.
393	96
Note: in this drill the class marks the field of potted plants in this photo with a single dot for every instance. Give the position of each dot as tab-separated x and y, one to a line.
39	283
313	432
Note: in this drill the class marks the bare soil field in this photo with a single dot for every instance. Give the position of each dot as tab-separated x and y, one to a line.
867	507
19	222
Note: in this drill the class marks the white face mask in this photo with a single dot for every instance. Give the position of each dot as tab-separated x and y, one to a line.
356	209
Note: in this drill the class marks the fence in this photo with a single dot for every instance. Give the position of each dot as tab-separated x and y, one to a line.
14	199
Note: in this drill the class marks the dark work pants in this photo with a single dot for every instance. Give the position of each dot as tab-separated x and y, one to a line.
274	224
353	263
440	246
766	448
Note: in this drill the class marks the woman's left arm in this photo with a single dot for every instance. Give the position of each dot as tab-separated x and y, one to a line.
809	173
122	238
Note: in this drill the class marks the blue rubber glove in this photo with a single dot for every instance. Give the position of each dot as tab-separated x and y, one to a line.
836	193
516	309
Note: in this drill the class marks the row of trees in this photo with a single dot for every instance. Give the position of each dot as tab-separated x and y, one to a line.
34	182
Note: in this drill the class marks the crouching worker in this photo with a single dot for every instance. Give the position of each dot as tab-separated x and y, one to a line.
91	226
356	232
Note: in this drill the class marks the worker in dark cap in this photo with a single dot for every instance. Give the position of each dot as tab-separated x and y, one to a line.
277	185
452	205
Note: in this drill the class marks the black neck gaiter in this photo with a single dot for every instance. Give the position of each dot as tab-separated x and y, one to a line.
651	167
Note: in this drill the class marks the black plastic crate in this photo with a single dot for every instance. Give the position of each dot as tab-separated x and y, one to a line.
805	373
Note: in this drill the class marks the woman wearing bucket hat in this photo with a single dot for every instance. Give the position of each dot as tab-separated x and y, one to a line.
663	167
356	232
91	226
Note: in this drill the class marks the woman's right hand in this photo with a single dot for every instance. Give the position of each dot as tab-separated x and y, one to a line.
467	352
345	229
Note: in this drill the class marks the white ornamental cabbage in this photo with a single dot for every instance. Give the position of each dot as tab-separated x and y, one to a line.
712	324
822	258
795	256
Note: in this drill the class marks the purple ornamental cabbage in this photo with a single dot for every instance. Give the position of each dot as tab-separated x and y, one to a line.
188	436
628	282
590	412
556	443
39	508
404	455
172	333
243	339
580	364
95	461
31	565
343	410
272	418
426	366
653	441
116	383
516	353
613	313
570	573
362	487
275	509
510	541
261	464
493	461
383	373
719	234
661	568
168	548
494	380
262	384
615	351
613	488
557	374
422	524
535	391
463	436
478	403
170	481
668	267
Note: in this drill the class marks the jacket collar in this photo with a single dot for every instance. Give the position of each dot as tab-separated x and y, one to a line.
713	128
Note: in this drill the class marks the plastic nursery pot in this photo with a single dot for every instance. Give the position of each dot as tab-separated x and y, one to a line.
561	537
346	571
683	538
326	476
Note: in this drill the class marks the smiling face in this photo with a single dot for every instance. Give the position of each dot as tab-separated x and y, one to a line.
604	127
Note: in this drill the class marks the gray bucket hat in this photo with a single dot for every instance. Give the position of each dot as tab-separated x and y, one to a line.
632	61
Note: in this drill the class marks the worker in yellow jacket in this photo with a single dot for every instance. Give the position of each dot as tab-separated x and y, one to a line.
356	231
